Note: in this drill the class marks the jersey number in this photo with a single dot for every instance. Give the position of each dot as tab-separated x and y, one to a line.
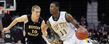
60	29
34	31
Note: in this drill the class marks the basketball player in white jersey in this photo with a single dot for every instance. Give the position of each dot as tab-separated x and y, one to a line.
60	22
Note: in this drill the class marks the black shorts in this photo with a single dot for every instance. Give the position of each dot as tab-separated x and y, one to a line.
39	40
8	38
17	34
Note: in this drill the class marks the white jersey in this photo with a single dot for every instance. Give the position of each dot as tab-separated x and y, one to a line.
61	26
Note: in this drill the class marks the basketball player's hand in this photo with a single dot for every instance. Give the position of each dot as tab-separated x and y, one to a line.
82	33
82	29
5	30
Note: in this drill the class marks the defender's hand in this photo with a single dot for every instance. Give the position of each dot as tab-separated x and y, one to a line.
82	29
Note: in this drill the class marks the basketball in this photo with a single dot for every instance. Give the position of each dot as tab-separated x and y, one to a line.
82	33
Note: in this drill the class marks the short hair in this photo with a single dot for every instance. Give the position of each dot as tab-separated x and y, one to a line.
56	3
35	6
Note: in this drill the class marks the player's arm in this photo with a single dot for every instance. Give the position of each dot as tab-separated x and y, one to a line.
49	25
44	31
69	18
44	28
15	21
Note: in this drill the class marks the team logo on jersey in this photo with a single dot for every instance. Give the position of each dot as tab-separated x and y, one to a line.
34	27
34	30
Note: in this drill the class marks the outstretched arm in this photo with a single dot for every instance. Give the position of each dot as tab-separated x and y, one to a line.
15	21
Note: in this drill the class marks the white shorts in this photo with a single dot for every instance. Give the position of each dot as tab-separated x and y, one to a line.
73	40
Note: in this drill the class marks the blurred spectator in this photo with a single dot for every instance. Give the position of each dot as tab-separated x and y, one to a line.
83	21
101	34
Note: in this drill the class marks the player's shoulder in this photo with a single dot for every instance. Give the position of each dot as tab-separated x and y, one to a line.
41	19
24	16
64	12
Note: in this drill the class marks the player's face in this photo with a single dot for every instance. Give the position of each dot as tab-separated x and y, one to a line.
36	14
53	8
